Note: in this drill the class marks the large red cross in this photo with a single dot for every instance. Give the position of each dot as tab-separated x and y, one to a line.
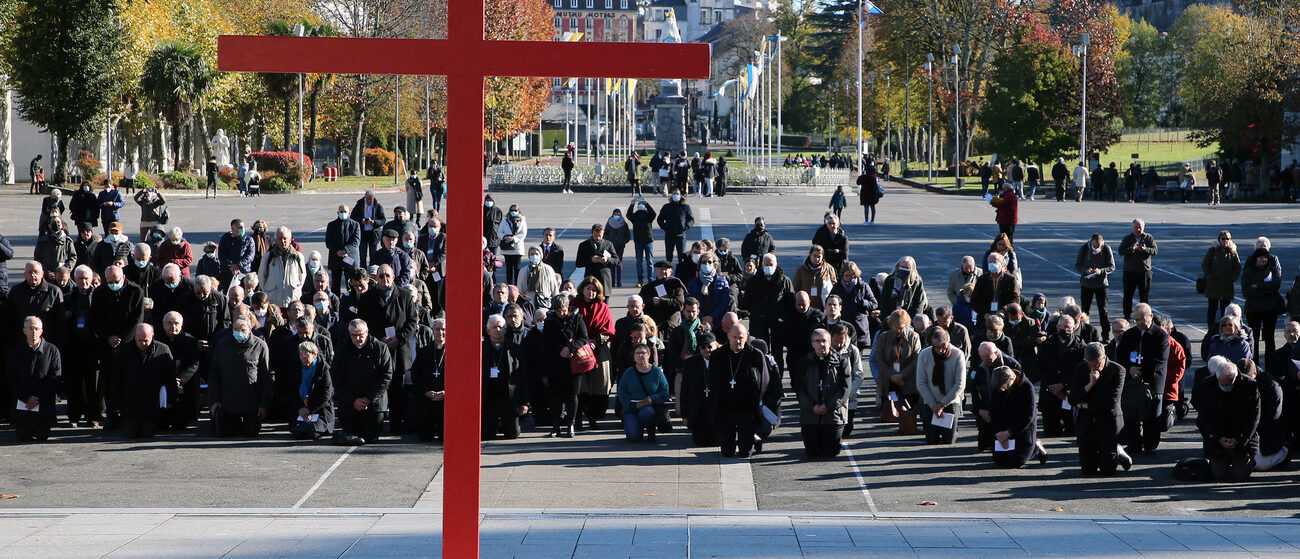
465	57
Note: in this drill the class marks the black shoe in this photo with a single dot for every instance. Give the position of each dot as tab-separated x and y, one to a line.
1042	454
1125	460
567	433
650	437
591	424
554	433
742	454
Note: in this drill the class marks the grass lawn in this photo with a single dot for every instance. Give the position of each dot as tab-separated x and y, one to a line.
1156	151
351	183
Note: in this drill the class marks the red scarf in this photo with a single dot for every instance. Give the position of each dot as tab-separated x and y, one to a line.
598	319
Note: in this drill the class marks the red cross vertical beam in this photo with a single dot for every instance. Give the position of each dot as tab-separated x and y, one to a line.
466	58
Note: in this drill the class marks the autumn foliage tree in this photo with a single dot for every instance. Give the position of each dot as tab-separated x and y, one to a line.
512	104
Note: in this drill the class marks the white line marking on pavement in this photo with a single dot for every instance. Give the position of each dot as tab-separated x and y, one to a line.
738	492
323	477
432	496
706	224
862	483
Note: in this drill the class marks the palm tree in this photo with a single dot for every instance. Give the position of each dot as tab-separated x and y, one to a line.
176	77
283	87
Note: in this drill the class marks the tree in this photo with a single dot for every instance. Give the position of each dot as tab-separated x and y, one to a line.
1026	116
175	78
1148	79
516	104
1070	19
282	87
56	56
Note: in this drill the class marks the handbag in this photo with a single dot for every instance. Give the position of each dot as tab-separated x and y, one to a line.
583	360
907	420
1200	285
880	191
889	412
164	216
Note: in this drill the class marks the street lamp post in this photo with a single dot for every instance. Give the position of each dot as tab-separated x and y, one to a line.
1081	51
857	149
956	113
871	81
929	130
299	31
889	126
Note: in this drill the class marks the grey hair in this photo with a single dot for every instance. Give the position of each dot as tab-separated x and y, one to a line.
1232	309
142	248
176	234
358	324
241	319
83	269
968	259
438	322
1264	243
204	281
496	318
636	298
815	333
1094	352
282	230
1222	367
308	347
178	316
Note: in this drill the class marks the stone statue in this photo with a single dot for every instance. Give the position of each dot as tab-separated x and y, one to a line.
221	148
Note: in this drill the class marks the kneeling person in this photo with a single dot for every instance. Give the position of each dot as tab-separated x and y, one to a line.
643	393
144	383
823	395
315	390
1228	417
239	381
362	370
1014	420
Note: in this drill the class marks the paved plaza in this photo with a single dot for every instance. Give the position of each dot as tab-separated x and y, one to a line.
316	500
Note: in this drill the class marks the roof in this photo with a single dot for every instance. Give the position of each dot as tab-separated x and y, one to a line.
562	112
668	4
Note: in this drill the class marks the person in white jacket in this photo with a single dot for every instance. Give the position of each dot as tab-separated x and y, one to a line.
537	280
513	233
941	381
283	271
1080	181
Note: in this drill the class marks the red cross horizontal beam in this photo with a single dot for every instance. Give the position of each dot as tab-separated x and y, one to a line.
442	57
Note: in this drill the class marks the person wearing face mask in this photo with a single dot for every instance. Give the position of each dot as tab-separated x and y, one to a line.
833	241
239	381
619	233
1261	283
369	214
767	296
492	217
183	388
325	310
391	316
110	204
758	242
283	272
51	207
823	395
537	280
816	276
114	246
54	248
513	234
642	218
153	210
84	206
117	306
996	289
711	289
235	252
343	243
860	306
904	289
675	219
597	255
144	383
1220	268
729	264
142	271
175	250
81	369
1094	264
1228	418
437	185
895	353
401	222
1057	357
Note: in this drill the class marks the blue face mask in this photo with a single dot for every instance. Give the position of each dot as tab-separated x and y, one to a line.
489	203
114	286
904	272
407	245
240	337
769	270
1227	388
706	269
322	306
994	267
139	264
170	285
534	258
343	215
239	232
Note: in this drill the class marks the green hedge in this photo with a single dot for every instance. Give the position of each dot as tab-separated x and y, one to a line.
276	184
176	180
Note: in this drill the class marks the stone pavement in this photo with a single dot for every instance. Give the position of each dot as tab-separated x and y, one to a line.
544	534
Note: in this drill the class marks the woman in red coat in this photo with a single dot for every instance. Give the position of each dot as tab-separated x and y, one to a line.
175	250
594	385
1008	207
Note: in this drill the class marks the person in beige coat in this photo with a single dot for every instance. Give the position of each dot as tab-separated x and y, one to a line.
941	382
537	280
895	354
283	271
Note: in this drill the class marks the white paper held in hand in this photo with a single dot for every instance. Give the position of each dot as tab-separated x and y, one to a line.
22	406
1065	405
390	332
660	291
999	447
944	420
162	397
893	396
349	261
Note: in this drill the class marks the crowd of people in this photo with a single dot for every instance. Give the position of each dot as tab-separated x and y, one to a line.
718	337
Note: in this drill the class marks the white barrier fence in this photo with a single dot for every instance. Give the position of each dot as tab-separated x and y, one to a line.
609	175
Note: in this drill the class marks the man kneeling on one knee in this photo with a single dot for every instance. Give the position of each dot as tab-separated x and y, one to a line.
1229	420
823	392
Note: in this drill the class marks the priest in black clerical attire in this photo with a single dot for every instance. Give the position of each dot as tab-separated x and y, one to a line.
505	390
184	410
144	382
823	396
696	392
738	375
428	382
35	370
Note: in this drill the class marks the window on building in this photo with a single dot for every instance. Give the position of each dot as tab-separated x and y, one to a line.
591	4
717	16
609	4
573	23
573	3
555	83
622	4
704	17
591	26
659	34
558	23
559	3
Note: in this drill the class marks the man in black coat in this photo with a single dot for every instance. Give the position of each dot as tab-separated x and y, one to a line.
115	246
1013	420
797	328
642	217
85	244
758	242
239	381
144	383
184	387
675	218
1095	392
996	289
988	359
170	292
390	314
369	214
552	252
1137	248
36	297
391	256
1143	350
363	369
343	243
1057	357
768	296
1060	174
34	370
597	255
738	378
1228	417
81	375
117	306
142	271
696	392
428	382
505	389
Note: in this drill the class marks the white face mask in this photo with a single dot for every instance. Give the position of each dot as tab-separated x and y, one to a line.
695	258
1096	250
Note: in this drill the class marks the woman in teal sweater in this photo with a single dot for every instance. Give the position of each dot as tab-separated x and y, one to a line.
642	391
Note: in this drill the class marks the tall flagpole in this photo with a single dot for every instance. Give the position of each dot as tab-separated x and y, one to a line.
857	150
779	129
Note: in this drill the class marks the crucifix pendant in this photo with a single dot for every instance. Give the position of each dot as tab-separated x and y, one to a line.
733	384
706	392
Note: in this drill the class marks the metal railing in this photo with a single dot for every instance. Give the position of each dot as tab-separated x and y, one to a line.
610	175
